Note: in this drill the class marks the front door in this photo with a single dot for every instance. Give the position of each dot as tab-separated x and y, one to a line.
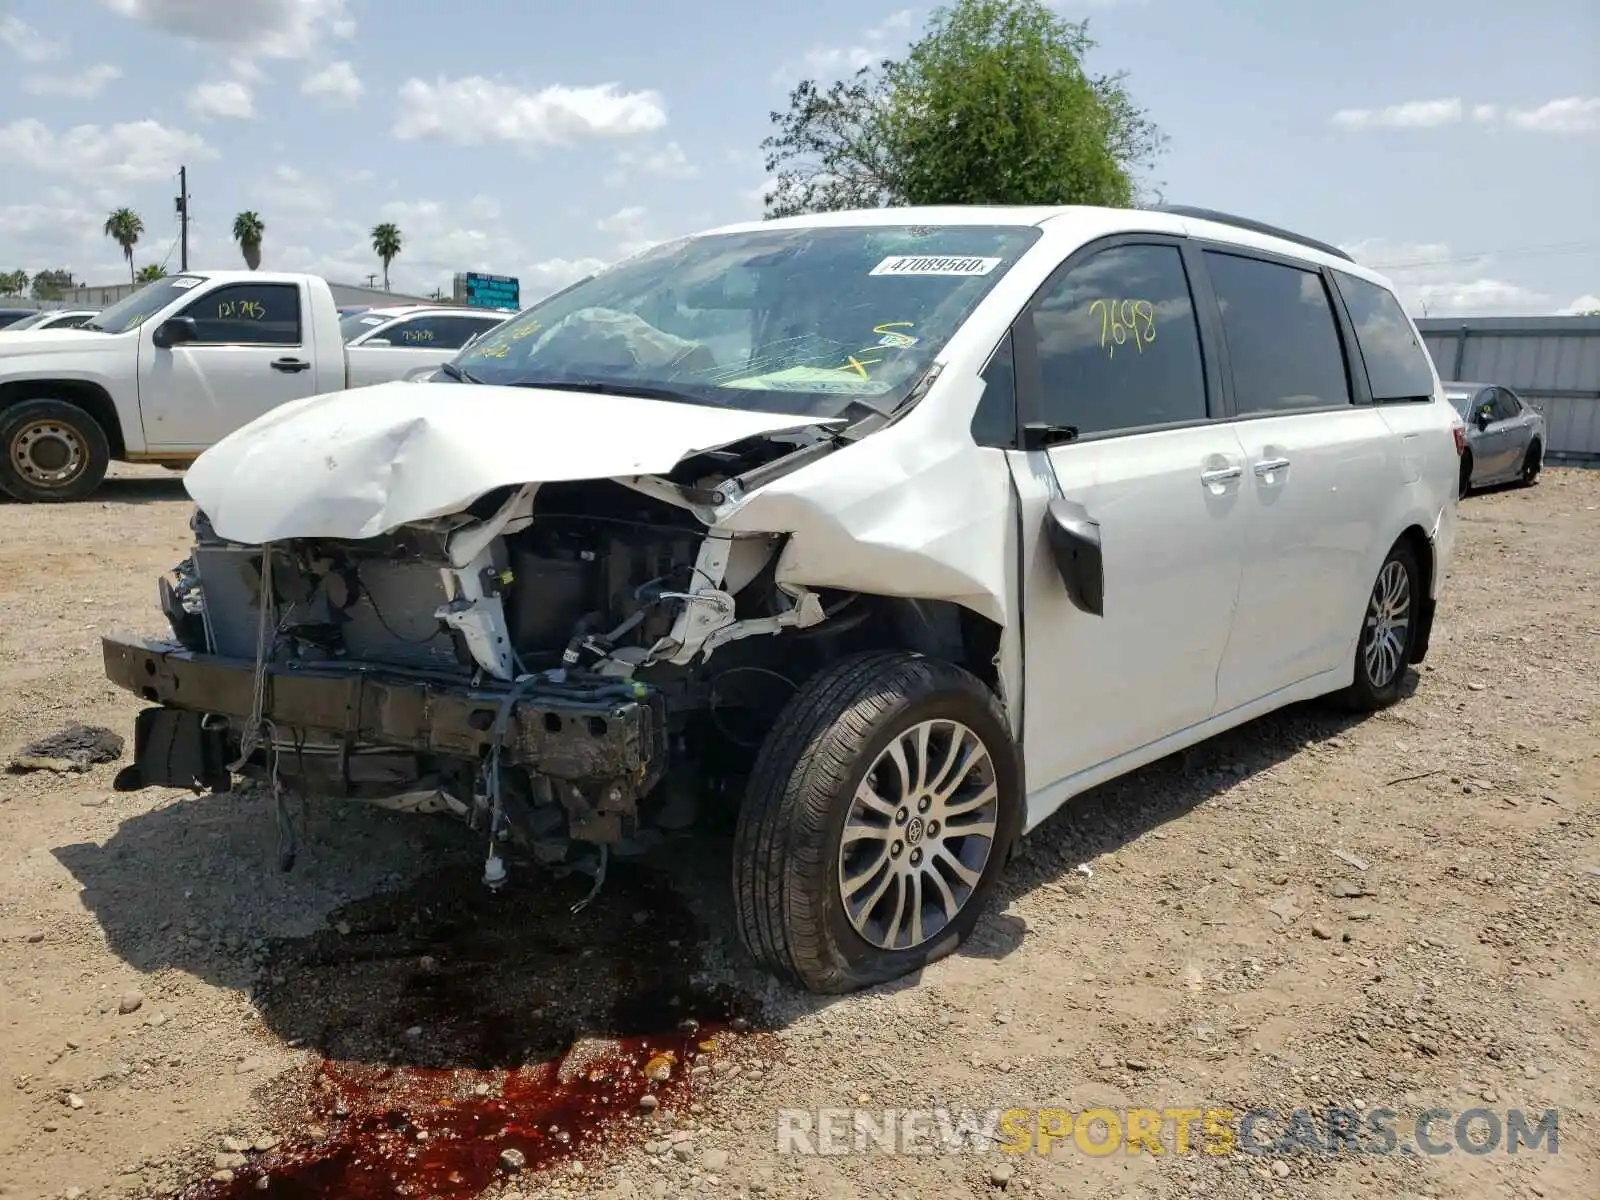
1118	359
251	354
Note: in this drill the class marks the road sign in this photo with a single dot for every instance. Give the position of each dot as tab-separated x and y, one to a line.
488	291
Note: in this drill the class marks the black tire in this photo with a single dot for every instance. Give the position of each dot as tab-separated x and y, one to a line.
1464	488
788	847
37	434
1531	462
1368	693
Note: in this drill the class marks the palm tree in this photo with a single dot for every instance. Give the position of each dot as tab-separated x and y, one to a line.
386	244
247	231
150	272
124	228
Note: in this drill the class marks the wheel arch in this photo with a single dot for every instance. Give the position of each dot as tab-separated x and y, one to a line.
90	397
1421	546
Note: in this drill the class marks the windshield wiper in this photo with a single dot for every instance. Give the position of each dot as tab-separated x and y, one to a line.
604	388
456	372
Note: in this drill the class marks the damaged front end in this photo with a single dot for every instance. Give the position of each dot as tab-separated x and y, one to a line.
567	666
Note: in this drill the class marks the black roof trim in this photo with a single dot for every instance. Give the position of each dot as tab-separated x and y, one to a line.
1222	218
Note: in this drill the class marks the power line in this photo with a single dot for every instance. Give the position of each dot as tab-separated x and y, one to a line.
1511	252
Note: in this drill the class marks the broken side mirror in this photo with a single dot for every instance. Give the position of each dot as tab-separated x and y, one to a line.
175	331
1075	545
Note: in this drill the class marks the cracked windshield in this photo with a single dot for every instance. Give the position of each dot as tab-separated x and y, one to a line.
808	321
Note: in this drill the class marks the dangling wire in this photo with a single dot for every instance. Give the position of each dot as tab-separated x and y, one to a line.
250	737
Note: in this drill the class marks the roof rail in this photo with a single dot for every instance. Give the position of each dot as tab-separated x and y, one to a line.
1222	218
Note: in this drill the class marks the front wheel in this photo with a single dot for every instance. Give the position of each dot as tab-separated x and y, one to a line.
879	815
51	450
1387	632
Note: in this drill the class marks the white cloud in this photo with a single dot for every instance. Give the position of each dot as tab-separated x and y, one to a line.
78	85
131	152
1573	114
553	274
1588	303
1433	280
623	221
274	28
474	110
669	162
834	62
1415	114
223	98
288	190
26	42
337	83
1485	114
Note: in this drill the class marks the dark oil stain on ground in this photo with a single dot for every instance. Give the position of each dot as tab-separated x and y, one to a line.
456	1024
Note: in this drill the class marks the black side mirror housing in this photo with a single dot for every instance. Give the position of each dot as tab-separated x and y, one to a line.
1074	541
175	331
1483	419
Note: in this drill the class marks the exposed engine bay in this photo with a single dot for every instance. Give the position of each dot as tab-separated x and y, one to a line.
572	667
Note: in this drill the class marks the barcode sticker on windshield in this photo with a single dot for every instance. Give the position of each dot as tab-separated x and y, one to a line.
928	264
187	281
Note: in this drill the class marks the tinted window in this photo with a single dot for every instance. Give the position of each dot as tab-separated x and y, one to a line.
1118	343
1506	407
437	332
1461	401
353	325
995	421
248	314
74	322
1283	343
1397	363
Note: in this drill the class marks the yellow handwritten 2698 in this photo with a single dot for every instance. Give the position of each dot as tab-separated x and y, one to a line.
1125	320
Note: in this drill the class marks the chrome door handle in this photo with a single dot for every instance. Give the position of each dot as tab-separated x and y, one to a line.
1220	475
1268	465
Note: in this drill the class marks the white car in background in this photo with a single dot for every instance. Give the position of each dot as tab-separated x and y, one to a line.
895	529
59	318
409	341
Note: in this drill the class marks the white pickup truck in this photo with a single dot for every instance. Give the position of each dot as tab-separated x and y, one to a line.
171	370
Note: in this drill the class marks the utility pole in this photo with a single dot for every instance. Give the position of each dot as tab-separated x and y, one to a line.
372	279
183	218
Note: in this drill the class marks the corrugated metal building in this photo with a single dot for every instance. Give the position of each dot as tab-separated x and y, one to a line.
1552	362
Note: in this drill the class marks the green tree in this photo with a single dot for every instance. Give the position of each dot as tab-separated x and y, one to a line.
248	230
150	272
386	244
13	283
124	227
52	284
991	105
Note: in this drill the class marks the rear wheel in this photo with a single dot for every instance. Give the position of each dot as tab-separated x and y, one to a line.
51	451
1388	631
1531	462
878	820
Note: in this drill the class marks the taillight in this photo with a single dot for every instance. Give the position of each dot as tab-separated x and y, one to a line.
1460	434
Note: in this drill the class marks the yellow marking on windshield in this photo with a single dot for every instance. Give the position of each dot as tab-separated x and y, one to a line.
852	363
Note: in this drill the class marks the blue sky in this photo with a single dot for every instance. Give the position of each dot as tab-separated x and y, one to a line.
1456	145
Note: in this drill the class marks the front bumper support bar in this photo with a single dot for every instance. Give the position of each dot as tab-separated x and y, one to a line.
588	733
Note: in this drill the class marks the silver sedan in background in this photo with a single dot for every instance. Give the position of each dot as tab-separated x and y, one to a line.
1505	435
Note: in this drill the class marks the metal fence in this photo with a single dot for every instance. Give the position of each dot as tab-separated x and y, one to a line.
1552	362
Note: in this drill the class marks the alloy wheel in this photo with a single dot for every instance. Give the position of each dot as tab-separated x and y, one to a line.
1388	624
919	834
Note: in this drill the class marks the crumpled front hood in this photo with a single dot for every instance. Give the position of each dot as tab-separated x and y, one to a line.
359	463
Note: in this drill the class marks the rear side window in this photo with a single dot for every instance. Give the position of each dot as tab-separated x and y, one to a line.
1283	341
1398	367
1118	344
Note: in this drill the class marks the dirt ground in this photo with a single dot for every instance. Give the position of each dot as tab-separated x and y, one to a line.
1309	913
